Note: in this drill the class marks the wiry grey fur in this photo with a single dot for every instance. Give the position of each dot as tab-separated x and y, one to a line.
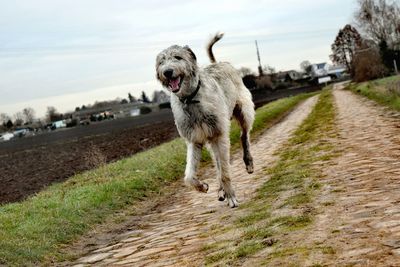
206	120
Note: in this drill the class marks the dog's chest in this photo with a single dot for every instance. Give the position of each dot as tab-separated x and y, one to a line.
195	124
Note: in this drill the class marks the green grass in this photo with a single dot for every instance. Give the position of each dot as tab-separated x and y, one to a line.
293	172
36	229
32	229
381	91
268	115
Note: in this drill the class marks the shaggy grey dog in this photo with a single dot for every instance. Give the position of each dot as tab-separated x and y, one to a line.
203	101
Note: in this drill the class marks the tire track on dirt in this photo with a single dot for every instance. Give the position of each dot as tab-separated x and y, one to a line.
358	211
175	235
365	220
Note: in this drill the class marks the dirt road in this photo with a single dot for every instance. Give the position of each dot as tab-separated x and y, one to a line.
363	225
362	187
174	236
357	211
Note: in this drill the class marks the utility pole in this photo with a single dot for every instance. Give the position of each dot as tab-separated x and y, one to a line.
395	67
260	70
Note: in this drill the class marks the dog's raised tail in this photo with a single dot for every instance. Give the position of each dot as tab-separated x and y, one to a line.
210	44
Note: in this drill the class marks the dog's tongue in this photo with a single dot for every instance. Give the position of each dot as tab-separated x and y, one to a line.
174	84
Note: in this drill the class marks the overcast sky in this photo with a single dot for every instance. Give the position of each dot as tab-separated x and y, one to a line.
66	53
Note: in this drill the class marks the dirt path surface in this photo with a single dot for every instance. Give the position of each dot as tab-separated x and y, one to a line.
175	235
363	225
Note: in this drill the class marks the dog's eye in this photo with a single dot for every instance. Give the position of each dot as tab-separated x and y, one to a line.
177	57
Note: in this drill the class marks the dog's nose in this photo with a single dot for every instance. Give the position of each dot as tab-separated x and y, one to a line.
168	73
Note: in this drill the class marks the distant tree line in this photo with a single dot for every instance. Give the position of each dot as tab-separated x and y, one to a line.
158	97
20	118
27	116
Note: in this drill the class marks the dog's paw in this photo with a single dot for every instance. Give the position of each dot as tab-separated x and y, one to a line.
232	202
250	166
221	195
202	187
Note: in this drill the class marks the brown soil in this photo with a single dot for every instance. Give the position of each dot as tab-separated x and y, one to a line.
28	165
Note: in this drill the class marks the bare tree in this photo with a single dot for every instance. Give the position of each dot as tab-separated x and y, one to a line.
4	118
18	118
347	41
29	114
379	20
132	99
367	64
244	71
305	66
145	98
52	114
269	69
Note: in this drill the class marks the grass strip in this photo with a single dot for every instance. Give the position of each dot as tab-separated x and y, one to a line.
37	228
293	183
384	91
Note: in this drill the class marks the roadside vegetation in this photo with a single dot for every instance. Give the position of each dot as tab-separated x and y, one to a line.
384	91
369	48
284	203
268	115
38	228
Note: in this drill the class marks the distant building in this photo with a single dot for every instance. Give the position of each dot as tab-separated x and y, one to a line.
321	70
291	75
336	72
134	112
118	110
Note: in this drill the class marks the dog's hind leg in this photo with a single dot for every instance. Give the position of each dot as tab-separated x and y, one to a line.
192	163
244	114
220	148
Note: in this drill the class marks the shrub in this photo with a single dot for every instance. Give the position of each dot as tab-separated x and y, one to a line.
165	105
394	87
145	110
367	65
72	123
264	83
253	82
250	81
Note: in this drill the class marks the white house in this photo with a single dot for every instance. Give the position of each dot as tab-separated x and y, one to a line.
321	70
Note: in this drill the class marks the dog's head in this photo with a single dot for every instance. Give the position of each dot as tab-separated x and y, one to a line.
176	69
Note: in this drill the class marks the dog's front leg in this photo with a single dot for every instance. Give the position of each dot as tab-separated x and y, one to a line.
220	149
192	163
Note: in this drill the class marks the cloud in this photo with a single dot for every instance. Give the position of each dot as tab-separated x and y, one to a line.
49	49
68	102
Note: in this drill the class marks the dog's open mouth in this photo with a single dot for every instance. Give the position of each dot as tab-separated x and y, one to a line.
175	84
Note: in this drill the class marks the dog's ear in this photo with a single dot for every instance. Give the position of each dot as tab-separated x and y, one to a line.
190	52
